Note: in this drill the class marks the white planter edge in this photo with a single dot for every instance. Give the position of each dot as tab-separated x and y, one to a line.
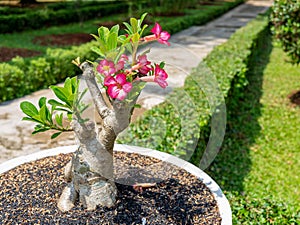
223	204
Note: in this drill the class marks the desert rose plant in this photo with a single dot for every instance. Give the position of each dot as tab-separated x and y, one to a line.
114	81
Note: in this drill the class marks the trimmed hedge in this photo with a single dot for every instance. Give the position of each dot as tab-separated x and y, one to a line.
36	19
58	60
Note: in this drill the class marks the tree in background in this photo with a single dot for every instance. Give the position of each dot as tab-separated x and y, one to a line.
285	17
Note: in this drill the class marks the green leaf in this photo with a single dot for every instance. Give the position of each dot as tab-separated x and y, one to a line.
38	118
55	135
64	110
134	24
98	51
140	21
112	41
55	103
29	109
43	114
115	29
95	36
75	84
39	129
103	33
129	29
42	101
144	27
59	119
68	86
61	93
162	65
70	116
30	119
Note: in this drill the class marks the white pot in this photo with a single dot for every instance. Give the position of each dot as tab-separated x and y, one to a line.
223	204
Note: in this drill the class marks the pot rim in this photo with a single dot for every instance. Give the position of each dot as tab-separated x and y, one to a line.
223	204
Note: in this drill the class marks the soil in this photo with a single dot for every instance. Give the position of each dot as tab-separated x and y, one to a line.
294	97
6	54
63	39
29	194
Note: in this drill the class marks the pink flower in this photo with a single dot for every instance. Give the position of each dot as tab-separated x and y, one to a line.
159	77
121	62
118	87
143	64
106	67
159	35
162	36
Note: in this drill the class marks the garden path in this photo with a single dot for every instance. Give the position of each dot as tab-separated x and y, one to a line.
188	48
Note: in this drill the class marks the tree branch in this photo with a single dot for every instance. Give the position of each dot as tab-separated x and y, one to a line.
89	76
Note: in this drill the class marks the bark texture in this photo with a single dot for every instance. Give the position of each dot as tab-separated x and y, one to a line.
90	172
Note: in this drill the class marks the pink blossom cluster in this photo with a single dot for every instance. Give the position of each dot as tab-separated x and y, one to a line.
119	81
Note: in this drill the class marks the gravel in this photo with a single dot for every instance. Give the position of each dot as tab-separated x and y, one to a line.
30	191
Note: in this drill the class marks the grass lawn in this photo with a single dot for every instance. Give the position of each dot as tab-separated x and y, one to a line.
275	155
258	166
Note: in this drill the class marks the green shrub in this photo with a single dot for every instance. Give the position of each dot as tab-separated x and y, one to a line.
40	72
11	79
38	18
285	17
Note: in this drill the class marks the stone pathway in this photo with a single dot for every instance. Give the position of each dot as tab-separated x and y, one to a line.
188	48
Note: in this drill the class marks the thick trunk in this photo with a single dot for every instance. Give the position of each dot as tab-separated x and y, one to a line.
90	172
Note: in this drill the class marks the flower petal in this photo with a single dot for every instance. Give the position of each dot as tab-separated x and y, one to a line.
156	29
159	72
109	80
122	95
121	78
127	87
165	35
103	62
163	42
113	91
161	82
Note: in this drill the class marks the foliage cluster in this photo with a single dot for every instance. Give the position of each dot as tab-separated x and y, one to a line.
55	65
52	118
286	20
49	16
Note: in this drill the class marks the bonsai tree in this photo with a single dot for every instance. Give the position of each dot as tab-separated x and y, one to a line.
114	83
